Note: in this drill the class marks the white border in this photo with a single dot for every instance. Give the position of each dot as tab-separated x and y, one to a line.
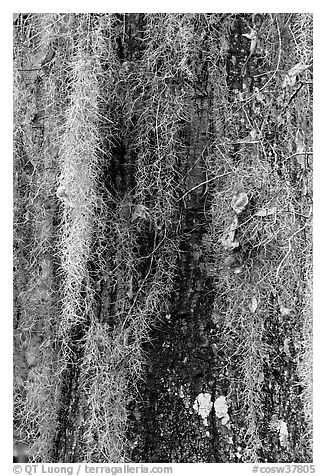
319	198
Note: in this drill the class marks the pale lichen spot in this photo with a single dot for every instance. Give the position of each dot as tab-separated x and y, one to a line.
221	409
283	433
203	405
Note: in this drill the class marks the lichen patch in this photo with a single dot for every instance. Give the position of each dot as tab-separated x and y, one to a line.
221	409
203	405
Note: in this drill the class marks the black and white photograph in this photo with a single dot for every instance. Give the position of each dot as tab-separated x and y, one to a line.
162	240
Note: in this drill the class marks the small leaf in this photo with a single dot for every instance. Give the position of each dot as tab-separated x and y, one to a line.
253	44
227	239
286	347
238	269
297	69
264	212
140	211
300	149
239	202
254	304
229	244
251	35
291	76
299	142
